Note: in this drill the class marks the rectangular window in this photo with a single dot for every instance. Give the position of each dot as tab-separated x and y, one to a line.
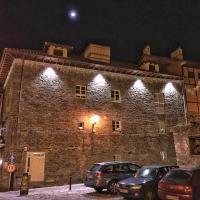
116	126
115	95
81	91
81	125
58	52
190	74
159	99
151	68
194	145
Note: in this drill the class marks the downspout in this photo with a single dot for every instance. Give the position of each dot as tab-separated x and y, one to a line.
19	104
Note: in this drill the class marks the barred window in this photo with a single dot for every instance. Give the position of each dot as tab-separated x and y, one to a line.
159	99
115	95
116	125
81	91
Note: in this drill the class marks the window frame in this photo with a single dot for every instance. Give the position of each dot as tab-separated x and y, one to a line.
116	126
58	50
80	94
114	96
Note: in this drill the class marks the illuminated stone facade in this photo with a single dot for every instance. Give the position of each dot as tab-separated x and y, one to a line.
46	118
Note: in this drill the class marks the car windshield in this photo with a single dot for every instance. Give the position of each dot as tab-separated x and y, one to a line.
95	168
147	173
180	177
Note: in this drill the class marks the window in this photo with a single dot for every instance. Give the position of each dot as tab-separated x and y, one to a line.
58	52
121	168
159	99
190	74
198	75
116	126
81	91
195	145
151	68
81	125
115	95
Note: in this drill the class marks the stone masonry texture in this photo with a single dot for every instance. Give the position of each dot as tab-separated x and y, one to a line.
42	113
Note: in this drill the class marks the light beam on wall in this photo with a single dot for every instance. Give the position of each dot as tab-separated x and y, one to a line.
138	85
169	88
49	73
99	80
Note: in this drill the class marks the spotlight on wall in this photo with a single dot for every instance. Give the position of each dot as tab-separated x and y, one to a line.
169	88
138	85
99	80
1	162
50	73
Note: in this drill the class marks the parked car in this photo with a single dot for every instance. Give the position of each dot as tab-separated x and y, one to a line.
180	184
144	184
107	174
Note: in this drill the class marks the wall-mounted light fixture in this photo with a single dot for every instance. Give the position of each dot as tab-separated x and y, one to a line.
94	120
169	88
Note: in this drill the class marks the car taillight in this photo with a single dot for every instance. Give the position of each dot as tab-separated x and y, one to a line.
98	174
188	190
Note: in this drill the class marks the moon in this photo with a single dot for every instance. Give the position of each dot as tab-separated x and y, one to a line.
73	14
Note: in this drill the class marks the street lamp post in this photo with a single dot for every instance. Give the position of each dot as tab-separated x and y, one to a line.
94	121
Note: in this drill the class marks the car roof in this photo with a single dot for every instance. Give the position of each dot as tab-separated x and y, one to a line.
159	166
190	169
115	162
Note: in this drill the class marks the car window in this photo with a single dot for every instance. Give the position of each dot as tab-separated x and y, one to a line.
108	168
121	168
133	167
147	172
95	168
162	172
182	177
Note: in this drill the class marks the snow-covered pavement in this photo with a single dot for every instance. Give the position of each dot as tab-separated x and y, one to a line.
78	192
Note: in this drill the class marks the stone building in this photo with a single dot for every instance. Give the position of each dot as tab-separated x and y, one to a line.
62	112
186	137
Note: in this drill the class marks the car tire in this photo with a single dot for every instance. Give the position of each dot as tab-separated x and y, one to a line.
149	196
98	189
112	187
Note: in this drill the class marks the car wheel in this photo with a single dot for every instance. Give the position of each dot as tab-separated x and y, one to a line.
112	187
149	196
98	189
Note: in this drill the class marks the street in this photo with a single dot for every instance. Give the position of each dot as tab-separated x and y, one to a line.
79	191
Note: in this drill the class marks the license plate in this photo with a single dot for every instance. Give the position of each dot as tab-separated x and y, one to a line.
169	197
123	191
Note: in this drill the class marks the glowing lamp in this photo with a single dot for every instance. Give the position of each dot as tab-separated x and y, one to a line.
94	119
1	162
99	80
50	73
169	88
139	85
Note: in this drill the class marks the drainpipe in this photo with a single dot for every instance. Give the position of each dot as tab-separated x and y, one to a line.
19	103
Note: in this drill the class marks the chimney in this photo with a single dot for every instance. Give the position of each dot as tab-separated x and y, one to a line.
147	50
97	53
57	49
177	54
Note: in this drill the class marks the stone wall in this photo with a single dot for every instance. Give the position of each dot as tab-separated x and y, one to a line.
49	114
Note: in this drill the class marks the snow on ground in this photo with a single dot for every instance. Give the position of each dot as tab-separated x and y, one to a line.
78	192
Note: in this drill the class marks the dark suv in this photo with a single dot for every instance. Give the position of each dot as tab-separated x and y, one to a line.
106	175
145	183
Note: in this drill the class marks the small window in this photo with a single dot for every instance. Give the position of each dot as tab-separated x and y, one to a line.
108	169
81	125
159	98
190	74
58	52
115	95
133	167
195	145
163	155
151	68
81	91
199	75
116	126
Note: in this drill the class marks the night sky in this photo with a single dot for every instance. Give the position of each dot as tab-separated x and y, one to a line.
125	25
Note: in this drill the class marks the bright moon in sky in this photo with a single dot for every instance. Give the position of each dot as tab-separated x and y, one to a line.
73	14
